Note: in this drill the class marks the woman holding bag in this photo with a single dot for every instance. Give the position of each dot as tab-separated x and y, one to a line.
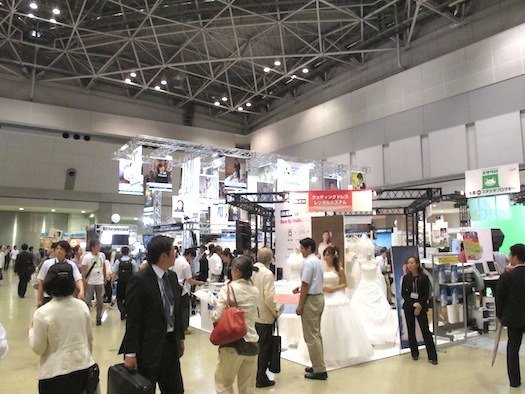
239	359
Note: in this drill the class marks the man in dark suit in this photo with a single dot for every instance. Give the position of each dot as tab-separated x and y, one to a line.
154	338
510	309
24	267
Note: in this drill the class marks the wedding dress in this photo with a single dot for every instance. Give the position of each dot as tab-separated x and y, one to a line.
345	342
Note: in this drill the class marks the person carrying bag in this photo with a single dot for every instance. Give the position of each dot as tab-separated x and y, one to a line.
237	352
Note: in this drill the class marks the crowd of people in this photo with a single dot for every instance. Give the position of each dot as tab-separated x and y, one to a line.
155	300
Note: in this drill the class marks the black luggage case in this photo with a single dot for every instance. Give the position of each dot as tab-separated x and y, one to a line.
122	381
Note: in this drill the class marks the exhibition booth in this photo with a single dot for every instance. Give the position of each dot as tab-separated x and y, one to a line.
245	200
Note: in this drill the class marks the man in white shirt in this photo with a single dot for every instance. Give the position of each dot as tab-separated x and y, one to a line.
264	281
12	257
382	264
215	265
94	274
2	261
183	270
62	249
310	308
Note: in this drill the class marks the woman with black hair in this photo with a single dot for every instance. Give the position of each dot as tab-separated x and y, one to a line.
239	359
60	333
227	258
415	290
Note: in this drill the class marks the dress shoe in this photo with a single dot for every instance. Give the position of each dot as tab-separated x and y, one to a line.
317	376
187	331
415	358
265	383
515	384
435	362
99	322
309	370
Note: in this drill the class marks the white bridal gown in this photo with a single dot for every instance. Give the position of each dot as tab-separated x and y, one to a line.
372	308
345	342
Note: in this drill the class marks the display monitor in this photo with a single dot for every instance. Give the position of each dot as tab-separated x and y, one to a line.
146	238
492	267
480	268
490	208
120	240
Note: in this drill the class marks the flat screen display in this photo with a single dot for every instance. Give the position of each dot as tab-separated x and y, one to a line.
120	240
492	266
490	208
480	268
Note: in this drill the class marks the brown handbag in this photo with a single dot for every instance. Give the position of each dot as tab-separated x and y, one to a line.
231	325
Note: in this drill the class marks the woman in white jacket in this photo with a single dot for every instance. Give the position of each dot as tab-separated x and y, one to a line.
60	333
239	359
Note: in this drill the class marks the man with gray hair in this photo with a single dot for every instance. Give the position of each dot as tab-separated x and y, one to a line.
268	312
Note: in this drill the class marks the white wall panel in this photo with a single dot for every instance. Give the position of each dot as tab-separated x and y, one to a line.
373	158
405	160
499	140
448	151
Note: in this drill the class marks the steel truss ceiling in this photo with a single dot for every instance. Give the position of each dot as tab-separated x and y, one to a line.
209	53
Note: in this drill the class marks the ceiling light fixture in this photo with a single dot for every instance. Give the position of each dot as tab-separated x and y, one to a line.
305	70
133	75
293	76
157	87
33	5
164	82
31	15
53	20
240	109
277	63
53	210
82	211
127	80
224	98
216	103
56	11
135	218
248	105
20	209
266	69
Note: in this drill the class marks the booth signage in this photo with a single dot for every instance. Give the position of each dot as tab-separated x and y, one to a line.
490	181
340	201
164	228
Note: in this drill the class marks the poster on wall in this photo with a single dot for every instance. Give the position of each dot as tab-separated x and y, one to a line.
331	184
177	206
209	187
159	175
235	172
491	181
125	175
358	180
440	237
292	176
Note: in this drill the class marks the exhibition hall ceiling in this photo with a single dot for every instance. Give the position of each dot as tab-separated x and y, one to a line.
234	59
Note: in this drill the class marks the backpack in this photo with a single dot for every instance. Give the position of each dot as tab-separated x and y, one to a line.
125	270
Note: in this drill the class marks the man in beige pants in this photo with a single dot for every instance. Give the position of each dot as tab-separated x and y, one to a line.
310	308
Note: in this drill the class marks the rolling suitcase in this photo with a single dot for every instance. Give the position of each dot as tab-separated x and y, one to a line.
122	381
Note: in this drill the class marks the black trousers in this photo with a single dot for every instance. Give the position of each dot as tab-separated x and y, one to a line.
513	347
72	383
265	350
427	336
121	297
22	285
168	374
185	310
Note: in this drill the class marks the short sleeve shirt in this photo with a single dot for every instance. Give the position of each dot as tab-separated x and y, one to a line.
48	263
183	270
96	277
312	273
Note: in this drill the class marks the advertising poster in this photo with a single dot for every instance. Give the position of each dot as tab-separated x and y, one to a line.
440	237
477	244
267	173
292	177
125	175
136	178
340	201
209	187
177	206
148	201
400	254
491	181
331	184
358	180
264	187
159	176
219	214
235	172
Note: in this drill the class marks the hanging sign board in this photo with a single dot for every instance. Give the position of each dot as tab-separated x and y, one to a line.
491	181
340	201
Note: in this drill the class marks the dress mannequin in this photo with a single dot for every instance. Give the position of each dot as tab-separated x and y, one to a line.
295	263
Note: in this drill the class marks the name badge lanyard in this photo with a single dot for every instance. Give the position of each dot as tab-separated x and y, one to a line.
415	290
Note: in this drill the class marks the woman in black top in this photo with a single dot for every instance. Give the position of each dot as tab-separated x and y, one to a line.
415	291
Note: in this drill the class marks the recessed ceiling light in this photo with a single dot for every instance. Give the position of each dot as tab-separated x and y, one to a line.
248	105
157	87
266	69
53	20
53	210
20	209
135	218
277	63
240	109
31	15
82	211
56	11
434	205
33	5
216	103
224	98
294	76
305	70
127	80
164	82
133	75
